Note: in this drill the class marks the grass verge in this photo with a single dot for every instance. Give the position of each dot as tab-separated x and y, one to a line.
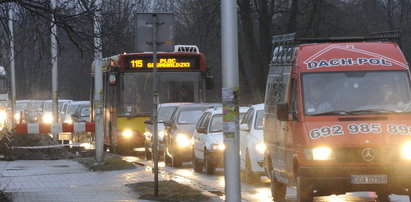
168	191
110	163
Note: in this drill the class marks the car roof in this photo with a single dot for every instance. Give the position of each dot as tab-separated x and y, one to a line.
79	102
198	106
258	106
174	104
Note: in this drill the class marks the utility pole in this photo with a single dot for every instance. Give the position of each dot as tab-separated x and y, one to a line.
229	45
12	68
98	84
54	68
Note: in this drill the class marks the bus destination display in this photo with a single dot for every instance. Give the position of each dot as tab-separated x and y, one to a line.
164	62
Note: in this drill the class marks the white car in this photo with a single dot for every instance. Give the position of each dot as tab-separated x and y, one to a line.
252	145
208	141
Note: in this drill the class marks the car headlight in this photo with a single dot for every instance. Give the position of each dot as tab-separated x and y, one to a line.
48	118
17	116
3	115
260	147
218	147
322	153
161	133
406	151
182	140
127	133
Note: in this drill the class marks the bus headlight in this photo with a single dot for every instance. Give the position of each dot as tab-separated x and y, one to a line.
182	140
218	147
260	147
127	133
322	153
48	118
406	151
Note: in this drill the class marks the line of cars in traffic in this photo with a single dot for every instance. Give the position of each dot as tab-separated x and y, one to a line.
193	132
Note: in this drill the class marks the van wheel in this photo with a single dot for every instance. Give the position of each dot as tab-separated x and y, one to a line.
210	169
167	159
197	165
278	189
304	194
250	176
176	162
147	153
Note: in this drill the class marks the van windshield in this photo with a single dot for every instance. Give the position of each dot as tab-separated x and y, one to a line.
360	92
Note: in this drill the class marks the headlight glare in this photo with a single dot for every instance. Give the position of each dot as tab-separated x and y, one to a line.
48	118
260	147
218	147
161	133
322	153
182	140
406	151
127	133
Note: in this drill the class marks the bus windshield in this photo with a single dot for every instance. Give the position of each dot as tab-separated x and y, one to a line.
137	94
360	92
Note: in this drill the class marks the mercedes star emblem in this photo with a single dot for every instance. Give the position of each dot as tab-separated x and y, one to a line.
368	154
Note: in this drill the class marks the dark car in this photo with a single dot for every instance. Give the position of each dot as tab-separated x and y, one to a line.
179	130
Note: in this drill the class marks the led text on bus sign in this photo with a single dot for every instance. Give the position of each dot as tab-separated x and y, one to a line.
171	63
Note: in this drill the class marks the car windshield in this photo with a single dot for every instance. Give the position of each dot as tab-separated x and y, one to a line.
36	106
360	92
48	106
189	117
259	120
164	113
22	106
73	108
216	123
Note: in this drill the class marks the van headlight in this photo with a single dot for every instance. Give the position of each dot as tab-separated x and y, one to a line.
320	154
218	147
260	147
127	133
182	140
406	151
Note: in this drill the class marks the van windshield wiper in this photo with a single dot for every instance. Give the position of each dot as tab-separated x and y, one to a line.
378	111
335	112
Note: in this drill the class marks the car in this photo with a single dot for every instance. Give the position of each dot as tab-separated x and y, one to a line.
47	115
179	130
208	143
165	111
22	108
35	108
77	111
252	145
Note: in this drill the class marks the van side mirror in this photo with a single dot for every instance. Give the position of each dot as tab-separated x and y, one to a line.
282	111
244	127
201	130
148	122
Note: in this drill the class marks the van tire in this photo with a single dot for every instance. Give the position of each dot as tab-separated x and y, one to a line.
250	176
278	189
209	166
304	193
197	164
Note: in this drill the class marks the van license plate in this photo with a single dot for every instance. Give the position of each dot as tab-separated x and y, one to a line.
368	179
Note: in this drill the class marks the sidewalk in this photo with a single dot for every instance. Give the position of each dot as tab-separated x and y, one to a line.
67	180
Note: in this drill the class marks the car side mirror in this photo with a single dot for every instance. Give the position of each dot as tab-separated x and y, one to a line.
168	123
201	130
244	127
282	111
148	122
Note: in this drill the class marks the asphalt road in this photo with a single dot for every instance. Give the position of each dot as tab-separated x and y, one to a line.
256	192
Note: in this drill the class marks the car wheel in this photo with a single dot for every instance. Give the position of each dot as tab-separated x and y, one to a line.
197	164
147	152
278	189
304	193
250	176
167	159
177	163
210	168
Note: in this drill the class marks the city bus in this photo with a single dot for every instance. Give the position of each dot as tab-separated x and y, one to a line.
128	90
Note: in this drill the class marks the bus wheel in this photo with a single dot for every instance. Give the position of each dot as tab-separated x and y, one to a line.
304	193
197	165
250	176
278	189
147	152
